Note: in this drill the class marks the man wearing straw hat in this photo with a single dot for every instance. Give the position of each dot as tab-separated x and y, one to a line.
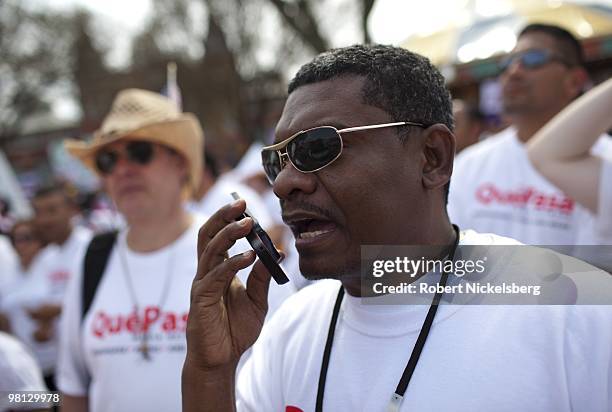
123	348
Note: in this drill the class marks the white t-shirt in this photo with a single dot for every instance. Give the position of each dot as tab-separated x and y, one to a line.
44	283
61	262
100	357
24	292
596	229
494	188
18	372
9	264
604	217
18	368
477	358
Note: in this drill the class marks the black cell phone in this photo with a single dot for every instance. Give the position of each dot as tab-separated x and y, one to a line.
264	248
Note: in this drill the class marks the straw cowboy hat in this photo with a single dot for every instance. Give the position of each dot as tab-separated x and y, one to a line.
144	115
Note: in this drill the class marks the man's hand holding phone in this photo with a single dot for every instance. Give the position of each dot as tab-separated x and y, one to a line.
225	318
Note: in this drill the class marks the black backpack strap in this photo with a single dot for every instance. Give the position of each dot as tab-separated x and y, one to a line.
96	258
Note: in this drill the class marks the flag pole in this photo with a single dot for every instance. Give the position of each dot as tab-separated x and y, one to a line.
172	89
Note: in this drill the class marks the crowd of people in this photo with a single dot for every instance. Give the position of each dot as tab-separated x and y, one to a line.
150	158
170	309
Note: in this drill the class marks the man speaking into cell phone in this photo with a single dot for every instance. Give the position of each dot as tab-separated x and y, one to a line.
363	155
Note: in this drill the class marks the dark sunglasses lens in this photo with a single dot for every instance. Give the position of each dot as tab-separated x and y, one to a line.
140	152
530	60
271	164
534	58
315	148
106	161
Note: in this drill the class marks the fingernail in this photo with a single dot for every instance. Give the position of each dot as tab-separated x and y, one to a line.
235	203
248	253
244	221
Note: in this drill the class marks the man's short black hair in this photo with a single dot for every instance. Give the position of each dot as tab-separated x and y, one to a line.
403	84
54	188
567	44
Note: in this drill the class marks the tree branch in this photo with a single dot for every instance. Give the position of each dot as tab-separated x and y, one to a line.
366	9
300	17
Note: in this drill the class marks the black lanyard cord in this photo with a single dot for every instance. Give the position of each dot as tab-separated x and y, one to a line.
418	346
327	352
398	395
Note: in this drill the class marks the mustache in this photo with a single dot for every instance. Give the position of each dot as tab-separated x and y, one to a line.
308	207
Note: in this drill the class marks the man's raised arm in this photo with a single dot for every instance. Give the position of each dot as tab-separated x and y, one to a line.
225	318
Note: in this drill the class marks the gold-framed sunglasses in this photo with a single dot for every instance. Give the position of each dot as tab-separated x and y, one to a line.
313	149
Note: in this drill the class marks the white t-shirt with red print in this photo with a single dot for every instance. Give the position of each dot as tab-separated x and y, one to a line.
100	355
62	262
495	189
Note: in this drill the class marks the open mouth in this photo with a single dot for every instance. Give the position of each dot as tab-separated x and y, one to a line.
311	228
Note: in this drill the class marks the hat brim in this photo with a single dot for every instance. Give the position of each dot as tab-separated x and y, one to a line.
184	135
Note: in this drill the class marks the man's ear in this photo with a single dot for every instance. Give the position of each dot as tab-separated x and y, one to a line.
577	81
438	155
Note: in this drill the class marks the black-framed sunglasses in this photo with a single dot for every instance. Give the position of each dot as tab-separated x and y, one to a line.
139	152
313	149
531	59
